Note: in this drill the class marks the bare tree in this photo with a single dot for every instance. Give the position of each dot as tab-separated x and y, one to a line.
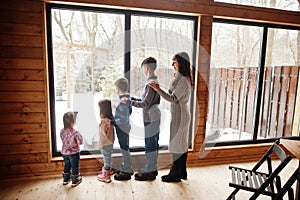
65	29
90	23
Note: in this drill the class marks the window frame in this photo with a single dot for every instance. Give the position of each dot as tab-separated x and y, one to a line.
255	5
259	82
127	15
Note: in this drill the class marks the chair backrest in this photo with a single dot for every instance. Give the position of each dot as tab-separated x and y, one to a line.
279	152
275	148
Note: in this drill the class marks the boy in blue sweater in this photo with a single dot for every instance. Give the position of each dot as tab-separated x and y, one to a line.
122	125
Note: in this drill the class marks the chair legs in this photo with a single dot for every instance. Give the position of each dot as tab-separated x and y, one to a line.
291	194
287	187
256	182
232	195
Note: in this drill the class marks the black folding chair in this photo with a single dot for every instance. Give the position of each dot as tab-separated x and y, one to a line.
260	183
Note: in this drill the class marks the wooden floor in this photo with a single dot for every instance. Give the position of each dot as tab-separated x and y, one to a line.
204	183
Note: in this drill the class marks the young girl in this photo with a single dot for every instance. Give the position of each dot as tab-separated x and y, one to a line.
71	140
106	139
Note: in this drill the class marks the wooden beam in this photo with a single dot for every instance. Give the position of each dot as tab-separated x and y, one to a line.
212	8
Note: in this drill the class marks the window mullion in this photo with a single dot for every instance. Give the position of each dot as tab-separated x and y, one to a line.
258	98
127	46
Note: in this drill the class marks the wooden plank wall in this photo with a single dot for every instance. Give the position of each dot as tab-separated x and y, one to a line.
24	141
25	145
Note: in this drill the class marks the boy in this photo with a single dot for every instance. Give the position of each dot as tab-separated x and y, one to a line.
149	101
122	125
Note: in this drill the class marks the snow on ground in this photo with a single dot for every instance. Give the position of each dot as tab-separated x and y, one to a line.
88	120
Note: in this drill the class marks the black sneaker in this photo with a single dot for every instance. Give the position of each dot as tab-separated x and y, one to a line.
66	178
145	176
142	170
76	179
121	176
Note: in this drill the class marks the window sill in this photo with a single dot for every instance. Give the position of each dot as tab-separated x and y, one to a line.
115	155
238	146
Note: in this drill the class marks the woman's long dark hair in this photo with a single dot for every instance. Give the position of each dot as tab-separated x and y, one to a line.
105	109
184	65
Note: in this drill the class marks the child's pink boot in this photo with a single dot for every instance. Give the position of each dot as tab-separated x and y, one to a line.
104	176
111	171
100	171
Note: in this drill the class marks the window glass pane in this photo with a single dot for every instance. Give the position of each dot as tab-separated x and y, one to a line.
280	102
160	38
292	5
88	56
232	85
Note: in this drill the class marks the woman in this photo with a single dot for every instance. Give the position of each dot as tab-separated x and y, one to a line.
178	94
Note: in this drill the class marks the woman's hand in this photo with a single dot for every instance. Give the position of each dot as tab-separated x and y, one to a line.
154	85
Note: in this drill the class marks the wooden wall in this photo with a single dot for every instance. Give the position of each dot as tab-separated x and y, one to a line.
25	143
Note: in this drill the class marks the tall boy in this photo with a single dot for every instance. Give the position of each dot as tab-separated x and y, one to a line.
149	101
122	125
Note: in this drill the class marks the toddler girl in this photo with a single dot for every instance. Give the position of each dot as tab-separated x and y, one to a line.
71	140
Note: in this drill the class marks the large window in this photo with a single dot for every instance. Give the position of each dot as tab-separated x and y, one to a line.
254	81
292	5
233	75
89	48
87	56
161	38
280	100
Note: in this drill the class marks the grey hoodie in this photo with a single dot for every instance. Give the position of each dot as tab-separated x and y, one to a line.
149	101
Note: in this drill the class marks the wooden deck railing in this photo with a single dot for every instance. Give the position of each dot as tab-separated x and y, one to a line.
232	99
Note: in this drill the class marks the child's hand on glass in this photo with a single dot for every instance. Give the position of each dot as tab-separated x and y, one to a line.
123	100
105	121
